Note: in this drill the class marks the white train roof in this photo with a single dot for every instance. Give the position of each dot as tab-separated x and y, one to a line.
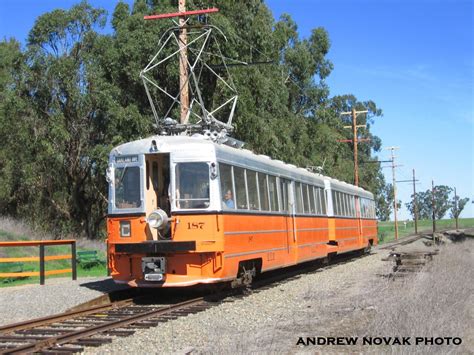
240	157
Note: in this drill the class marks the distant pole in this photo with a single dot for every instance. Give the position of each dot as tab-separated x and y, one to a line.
433	205
394	190
355	140
415	204
183	64
354	132
456	215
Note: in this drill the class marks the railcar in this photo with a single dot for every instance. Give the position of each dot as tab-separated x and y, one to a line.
186	210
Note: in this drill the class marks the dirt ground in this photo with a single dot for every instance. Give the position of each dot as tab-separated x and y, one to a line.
422	313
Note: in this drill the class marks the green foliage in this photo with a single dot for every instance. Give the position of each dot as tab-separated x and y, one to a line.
457	205
441	201
73	94
384	203
386	230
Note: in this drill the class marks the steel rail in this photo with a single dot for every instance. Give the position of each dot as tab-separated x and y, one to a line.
85	333
60	317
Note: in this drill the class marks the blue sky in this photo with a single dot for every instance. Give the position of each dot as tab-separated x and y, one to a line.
413	58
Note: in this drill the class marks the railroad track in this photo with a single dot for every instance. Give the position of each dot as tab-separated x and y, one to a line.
403	241
70	332
97	322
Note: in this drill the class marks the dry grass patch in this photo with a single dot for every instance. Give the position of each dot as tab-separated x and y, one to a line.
435	303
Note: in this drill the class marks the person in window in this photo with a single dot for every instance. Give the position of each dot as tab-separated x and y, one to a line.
228	201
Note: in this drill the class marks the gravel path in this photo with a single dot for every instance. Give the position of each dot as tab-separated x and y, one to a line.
26	302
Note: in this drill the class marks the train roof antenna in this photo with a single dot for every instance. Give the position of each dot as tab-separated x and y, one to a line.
193	45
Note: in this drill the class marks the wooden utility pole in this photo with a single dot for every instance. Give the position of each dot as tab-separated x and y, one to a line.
433	205
355	140
415	201
394	190
456	209
183	64
182	14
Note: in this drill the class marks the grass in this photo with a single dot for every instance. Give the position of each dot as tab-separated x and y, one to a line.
386	230
12	230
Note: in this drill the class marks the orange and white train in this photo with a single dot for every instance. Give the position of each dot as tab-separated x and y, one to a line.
185	210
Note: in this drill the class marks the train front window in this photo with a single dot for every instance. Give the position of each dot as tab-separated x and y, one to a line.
192	185
127	187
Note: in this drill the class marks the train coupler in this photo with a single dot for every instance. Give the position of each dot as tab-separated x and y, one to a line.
154	268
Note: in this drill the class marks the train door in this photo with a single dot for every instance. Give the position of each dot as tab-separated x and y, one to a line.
288	206
157	181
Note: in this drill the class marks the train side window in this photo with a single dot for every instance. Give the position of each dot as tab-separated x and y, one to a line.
312	207
273	193
349	202
323	200
225	175
240	191
353	211
341	198
263	192
346	204
318	197
252	190
338	204
284	195
317	207
334	201
343	204
305	198
299	198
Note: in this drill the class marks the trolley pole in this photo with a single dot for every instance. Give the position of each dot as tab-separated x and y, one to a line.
355	140
183	64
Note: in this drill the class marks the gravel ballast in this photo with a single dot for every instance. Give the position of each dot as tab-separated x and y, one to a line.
260	320
21	303
337	300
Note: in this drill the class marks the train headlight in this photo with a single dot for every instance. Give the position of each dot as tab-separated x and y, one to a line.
157	219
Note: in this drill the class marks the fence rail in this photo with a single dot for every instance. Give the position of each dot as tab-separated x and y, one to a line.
42	258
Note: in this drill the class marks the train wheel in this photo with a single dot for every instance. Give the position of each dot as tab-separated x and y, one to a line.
246	274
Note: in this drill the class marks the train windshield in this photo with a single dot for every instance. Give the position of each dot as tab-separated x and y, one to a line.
127	187
192	185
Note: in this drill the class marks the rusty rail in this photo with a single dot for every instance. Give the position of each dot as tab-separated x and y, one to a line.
42	273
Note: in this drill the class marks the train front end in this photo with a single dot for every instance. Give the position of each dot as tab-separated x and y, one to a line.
163	226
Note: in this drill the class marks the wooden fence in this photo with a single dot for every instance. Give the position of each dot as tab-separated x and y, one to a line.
42	273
